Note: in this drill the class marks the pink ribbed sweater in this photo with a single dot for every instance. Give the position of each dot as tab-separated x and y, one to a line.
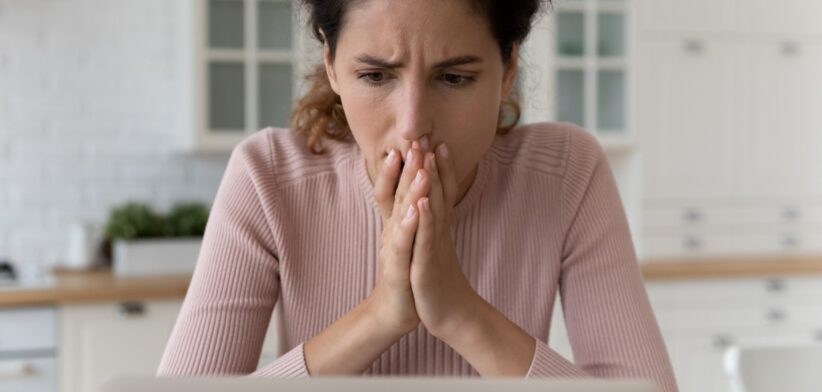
543	215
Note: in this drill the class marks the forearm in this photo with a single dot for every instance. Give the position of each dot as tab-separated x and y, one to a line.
349	345
494	345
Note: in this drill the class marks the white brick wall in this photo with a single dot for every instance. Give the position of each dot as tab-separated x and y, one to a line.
90	97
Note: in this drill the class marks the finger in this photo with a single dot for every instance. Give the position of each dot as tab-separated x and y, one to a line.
436	196
386	183
403	238
447	174
412	164
423	244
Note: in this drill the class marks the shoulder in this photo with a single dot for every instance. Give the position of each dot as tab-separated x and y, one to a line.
284	155
552	148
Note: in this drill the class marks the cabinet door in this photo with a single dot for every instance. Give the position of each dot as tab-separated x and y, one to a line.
778	121
107	339
683	116
779	17
684	16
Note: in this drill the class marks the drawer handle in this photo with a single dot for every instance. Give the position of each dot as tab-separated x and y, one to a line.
789	48
692	215
775	285
790	213
15	369
131	309
721	342
789	241
776	315
694	46
691	243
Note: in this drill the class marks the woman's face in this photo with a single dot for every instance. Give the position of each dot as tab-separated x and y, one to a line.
404	69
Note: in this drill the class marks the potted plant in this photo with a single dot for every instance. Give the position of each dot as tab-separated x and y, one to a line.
144	242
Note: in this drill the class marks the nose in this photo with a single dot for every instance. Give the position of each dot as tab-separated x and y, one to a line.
413	114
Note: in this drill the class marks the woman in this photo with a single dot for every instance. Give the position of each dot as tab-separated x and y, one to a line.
406	230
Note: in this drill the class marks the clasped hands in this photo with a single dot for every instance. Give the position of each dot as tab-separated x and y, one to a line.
419	278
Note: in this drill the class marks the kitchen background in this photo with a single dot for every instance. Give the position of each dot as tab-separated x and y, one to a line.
707	109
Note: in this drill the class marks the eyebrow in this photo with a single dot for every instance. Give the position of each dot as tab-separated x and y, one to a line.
378	62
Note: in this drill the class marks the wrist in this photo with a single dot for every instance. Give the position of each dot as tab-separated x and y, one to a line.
465	325
378	315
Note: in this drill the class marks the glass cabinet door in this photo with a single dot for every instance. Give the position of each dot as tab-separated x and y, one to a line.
247	68
592	67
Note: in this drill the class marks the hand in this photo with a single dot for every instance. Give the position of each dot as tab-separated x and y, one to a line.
442	294
392	299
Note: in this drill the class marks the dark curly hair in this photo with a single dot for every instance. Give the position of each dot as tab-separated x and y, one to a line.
319	113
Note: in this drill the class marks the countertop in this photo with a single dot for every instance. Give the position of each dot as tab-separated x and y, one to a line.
67	287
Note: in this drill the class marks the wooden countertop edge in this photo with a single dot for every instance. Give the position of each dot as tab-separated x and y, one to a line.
731	267
96	286
101	285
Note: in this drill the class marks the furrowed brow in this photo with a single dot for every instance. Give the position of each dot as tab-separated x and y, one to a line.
378	62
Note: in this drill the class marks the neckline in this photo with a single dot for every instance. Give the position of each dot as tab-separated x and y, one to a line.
470	198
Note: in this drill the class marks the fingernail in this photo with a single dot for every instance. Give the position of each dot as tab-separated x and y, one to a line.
443	150
391	157
410	157
415	145
418	180
409	215
424	143
425	204
433	162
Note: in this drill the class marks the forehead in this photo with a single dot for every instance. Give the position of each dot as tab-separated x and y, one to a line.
401	29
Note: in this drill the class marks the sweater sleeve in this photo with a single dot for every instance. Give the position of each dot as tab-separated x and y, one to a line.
611	326
227	309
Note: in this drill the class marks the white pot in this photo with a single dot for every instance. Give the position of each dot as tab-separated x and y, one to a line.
155	256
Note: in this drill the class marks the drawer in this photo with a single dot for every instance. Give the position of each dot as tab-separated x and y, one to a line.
27	329
698	321
26	375
703	243
729	292
702	214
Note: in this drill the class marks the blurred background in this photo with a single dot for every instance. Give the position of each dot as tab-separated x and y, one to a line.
117	118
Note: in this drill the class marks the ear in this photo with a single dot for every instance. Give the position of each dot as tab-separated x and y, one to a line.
329	65
510	75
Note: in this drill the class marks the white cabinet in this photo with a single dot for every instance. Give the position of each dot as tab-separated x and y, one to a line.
701	318
27	349
689	16
729	129
101	340
778	125
801	17
684	94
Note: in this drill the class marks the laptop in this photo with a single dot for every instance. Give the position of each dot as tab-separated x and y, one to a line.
371	384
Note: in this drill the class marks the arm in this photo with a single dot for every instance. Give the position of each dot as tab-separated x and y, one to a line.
611	326
228	305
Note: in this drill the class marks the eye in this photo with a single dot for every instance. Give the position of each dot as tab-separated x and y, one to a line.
373	78
457	80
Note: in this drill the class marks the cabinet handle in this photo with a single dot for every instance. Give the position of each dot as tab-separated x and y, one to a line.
775	285
789	48
130	309
694	46
721	342
790	213
15	369
789	241
775	315
691	243
692	215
